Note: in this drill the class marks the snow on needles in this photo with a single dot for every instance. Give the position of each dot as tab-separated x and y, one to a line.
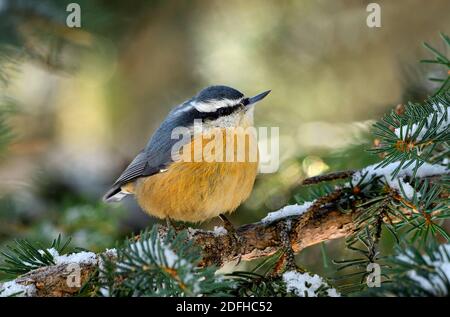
14	289
441	262
306	285
398	182
372	171
162	254
82	257
442	115
290	210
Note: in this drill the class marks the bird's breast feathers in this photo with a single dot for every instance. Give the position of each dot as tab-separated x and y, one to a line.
198	186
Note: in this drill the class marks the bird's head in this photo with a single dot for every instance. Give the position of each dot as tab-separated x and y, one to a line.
221	106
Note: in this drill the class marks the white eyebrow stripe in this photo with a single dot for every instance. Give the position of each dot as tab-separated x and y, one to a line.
213	105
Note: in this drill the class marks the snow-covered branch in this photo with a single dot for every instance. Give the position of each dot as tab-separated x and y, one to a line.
258	240
307	225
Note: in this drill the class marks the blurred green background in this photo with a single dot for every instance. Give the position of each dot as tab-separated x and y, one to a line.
81	103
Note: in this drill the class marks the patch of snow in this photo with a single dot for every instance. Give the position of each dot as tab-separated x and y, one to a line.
441	262
162	256
404	188
170	256
424	170
305	284
80	258
332	292
165	258
290	210
52	251
219	231
442	113
191	232
111	253
105	292
12	288
397	182
430	170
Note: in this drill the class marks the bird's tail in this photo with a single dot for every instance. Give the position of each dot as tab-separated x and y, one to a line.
114	194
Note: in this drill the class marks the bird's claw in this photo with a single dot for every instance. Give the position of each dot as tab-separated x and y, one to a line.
175	227
236	240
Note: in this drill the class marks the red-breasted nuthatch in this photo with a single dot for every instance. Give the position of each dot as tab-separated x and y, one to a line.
194	190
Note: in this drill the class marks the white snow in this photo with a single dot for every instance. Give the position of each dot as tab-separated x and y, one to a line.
305	284
424	170
441	262
385	173
111	253
164	256
105	292
290	210
442	113
191	232
80	258
12	288
167	254
52	251
219	231
170	256
332	292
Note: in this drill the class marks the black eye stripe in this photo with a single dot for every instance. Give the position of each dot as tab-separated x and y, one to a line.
221	112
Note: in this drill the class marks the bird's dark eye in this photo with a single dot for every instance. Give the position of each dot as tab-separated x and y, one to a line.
244	101
228	110
221	112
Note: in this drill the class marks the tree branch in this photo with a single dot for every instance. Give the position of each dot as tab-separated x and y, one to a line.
258	240
322	221
328	177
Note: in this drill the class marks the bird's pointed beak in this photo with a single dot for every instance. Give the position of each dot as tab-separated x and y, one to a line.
257	98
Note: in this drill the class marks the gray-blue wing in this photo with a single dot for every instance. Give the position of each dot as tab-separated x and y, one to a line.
134	169
156	155
146	163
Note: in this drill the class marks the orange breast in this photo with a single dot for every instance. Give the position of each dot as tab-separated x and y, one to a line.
198	190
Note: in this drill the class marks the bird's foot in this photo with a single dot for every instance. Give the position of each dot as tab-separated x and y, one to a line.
289	256
176	227
236	240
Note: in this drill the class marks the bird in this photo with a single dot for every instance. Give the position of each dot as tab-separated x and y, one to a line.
190	187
